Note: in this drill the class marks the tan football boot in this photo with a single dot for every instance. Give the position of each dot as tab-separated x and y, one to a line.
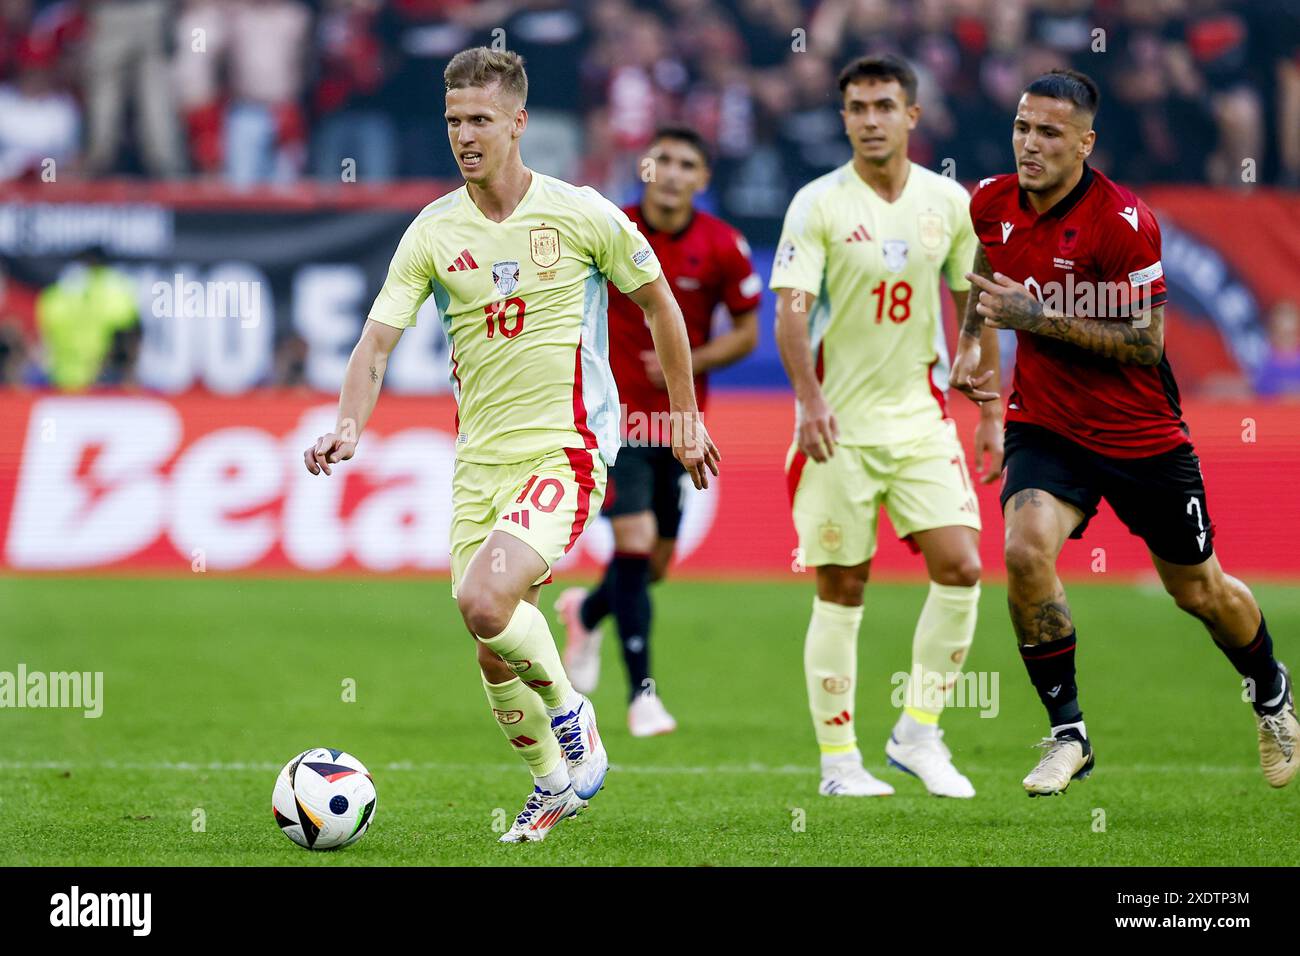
1064	761
1278	736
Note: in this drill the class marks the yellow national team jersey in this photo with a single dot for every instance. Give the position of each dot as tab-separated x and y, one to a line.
876	329
523	304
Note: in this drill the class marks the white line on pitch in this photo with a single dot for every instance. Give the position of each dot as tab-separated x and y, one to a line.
407	766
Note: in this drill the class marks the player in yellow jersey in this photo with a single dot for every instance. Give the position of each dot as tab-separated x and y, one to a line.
517	265
858	327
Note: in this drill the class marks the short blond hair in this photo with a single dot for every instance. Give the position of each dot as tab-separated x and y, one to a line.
481	67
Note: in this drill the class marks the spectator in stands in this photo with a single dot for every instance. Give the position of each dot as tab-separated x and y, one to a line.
1279	375
549	35
200	44
266	56
16	324
289	367
40	125
85	318
351	123
126	65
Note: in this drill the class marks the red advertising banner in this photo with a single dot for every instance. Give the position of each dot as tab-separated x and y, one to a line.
175	485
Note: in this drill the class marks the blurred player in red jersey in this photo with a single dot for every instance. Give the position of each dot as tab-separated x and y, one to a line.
1071	261
708	264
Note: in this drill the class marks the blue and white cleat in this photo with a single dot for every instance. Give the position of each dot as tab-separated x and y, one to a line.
925	756
844	776
541	813
582	748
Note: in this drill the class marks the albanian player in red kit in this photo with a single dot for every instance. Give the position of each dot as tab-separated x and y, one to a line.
707	263
1094	413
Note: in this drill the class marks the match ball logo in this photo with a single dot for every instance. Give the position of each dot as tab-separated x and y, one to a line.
508	716
836	685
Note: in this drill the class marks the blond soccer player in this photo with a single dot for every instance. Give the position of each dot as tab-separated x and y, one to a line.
517	265
859	330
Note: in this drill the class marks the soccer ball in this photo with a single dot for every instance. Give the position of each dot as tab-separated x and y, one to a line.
324	799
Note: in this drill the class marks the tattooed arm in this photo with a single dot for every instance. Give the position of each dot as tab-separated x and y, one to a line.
361	384
1009	305
972	322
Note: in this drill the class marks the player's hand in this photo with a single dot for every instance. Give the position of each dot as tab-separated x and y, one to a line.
965	380
816	429
988	449
328	450
653	370
693	447
1005	303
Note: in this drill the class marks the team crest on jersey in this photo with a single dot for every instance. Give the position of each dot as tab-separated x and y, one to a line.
544	244
1069	240
929	227
832	537
895	251
505	276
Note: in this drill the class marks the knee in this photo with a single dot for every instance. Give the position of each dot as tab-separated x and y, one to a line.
483	612
844	589
1027	558
962	571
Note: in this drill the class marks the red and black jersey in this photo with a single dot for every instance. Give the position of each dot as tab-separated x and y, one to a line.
706	263
1097	251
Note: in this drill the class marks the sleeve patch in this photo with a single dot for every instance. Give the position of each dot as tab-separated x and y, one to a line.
641	256
1150	274
785	254
751	285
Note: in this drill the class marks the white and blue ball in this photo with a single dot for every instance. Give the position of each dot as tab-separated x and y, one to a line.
324	799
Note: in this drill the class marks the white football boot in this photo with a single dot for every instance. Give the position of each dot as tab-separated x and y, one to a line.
541	813
1278	736
647	716
582	747
581	646
919	749
1069	757
844	776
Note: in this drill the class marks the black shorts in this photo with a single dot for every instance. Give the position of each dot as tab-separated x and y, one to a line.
1161	499
646	478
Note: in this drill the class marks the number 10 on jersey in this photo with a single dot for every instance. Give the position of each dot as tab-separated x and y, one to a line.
502	314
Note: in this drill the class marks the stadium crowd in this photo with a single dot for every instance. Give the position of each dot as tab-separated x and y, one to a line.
275	90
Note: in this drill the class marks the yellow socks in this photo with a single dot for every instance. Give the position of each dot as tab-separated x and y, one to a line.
522	718
830	662
528	647
944	633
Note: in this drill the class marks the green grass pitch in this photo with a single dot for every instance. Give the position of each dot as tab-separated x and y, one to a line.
211	684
